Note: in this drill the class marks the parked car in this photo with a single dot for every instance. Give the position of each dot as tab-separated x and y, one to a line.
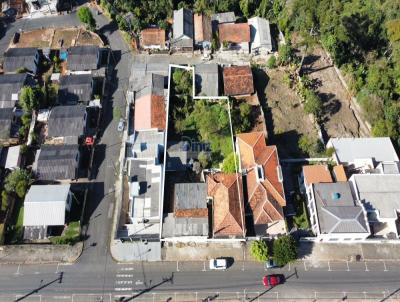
270	263
218	264
121	125
272	280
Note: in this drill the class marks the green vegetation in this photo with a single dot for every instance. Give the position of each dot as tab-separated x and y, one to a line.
204	159
117	114
15	232
229	165
241	116
17	182
300	220
70	236
259	250
285	250
311	146
30	98
271	63
364	41
85	16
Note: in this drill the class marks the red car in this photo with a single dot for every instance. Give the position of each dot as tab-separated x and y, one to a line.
271	280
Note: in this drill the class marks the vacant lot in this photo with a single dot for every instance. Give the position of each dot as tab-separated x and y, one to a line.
39	38
285	117
64	37
338	118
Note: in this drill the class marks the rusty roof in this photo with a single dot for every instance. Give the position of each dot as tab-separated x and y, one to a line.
228	213
265	194
153	36
316	174
150	112
238	80
234	32
339	173
202	28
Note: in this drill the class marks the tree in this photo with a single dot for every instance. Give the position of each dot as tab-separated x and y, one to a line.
30	98
85	16
259	250
17	182
204	159
241	115
4	200
310	146
229	165
313	103
284	250
285	54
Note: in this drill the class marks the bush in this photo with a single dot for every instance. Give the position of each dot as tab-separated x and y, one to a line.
228	165
259	250
204	159
271	63
310	146
17	182
285	250
285	54
4	200
313	103
85	16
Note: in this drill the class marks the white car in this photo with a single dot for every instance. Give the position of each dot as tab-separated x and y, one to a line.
121	125
218	264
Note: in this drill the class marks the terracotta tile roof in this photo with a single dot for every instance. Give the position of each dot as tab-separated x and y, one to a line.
234	32
194	213
150	112
339	173
238	80
202	28
316	174
265	195
153	36
228	215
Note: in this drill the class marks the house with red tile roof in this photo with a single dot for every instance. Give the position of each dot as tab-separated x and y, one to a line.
234	36
238	81
226	192
265	193
152	38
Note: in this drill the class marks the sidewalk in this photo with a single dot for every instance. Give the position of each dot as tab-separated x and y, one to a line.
348	252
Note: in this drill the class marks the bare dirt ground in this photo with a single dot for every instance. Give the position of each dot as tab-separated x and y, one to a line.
39	38
338	118
284	116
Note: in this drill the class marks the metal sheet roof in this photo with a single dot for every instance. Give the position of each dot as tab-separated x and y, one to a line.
44	205
67	121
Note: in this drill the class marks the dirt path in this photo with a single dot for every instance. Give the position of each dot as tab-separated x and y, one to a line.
338	118
285	118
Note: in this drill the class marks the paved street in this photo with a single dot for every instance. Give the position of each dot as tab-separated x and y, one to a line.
327	281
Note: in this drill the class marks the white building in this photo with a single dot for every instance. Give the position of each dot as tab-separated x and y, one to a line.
260	36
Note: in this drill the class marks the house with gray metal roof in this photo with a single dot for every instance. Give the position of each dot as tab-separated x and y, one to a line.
17	58
57	163
146	144
67	123
45	206
10	88
207	79
336	214
190	216
380	196
260	36
83	58
75	88
183	30
362	154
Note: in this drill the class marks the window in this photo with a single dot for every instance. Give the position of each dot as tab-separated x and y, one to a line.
260	173
347	239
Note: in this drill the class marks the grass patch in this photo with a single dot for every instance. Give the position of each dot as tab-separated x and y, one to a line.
70	236
117	113
301	218
15	233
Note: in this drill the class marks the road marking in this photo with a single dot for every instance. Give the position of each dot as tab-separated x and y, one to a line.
384	265
204	268
120	289
305	267
366	267
347	263
289	267
61	297
124	282
124	275
17	272
36	273
58	264
329	267
110	210
139	282
127	269
177	266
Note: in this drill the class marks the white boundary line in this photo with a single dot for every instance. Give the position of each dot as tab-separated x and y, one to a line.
194	97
